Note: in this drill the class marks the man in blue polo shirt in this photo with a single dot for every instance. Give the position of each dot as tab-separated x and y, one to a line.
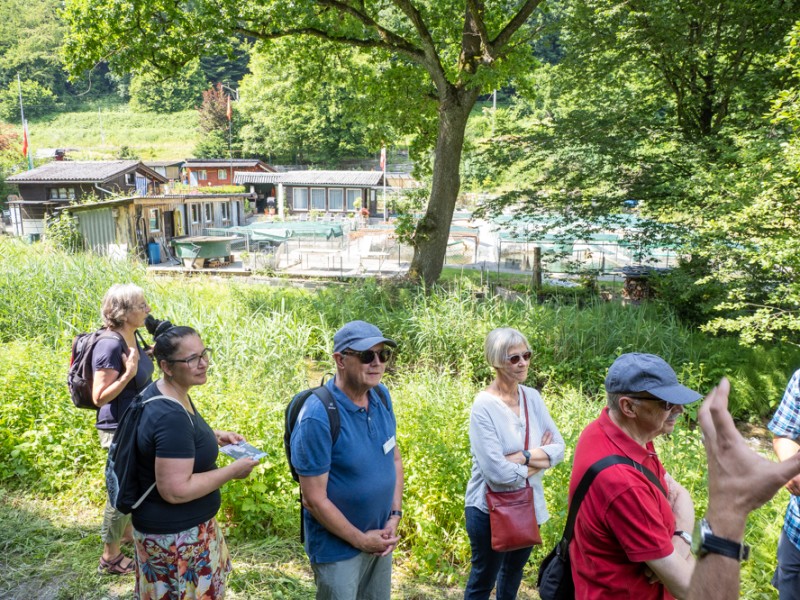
352	489
785	424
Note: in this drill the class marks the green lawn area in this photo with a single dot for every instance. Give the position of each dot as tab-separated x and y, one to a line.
99	130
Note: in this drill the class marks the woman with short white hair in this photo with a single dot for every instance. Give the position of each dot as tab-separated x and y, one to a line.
497	442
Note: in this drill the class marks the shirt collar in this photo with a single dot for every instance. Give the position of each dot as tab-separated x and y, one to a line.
626	444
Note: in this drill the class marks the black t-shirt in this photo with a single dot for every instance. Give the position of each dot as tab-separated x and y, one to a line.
109	353
167	430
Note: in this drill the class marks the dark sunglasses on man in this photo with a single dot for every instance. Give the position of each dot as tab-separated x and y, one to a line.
367	356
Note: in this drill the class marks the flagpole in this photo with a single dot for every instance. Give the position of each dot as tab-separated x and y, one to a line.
383	164
24	125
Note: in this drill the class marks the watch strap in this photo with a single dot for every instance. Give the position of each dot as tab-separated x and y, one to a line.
396	513
684	535
719	545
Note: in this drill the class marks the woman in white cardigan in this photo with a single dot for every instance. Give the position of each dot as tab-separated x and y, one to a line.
497	442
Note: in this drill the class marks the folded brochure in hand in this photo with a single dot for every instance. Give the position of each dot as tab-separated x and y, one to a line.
243	450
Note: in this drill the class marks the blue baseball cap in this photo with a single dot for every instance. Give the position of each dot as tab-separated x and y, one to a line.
358	336
635	372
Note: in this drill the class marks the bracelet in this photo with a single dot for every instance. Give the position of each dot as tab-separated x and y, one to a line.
396	513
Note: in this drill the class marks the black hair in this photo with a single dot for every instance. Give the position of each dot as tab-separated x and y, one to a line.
166	342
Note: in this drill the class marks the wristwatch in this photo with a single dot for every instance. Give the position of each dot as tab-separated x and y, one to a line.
704	541
396	513
527	456
684	535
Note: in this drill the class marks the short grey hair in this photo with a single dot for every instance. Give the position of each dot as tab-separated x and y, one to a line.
612	400
119	299
499	341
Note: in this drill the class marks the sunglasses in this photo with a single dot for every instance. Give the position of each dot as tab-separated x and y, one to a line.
194	361
666	406
367	356
515	358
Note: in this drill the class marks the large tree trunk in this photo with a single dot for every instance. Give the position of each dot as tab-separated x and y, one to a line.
434	229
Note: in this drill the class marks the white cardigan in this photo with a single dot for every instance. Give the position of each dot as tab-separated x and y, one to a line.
494	431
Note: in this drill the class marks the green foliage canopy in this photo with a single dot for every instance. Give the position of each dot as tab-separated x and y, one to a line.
664	103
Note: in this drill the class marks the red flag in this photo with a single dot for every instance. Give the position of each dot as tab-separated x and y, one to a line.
229	113
383	158
24	139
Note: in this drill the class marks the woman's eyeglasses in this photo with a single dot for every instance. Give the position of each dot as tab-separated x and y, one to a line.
194	361
515	358
367	356
666	406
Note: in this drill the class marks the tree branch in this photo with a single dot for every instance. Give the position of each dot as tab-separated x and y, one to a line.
477	15
390	39
413	53
514	24
431	60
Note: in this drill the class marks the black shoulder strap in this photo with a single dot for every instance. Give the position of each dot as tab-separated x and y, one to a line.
588	477
324	394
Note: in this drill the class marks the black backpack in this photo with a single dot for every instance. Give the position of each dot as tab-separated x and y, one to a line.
290	420
122	477
80	376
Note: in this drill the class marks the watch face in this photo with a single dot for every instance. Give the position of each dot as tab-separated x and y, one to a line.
701	529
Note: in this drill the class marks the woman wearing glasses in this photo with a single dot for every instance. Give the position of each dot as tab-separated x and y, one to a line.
121	369
180	551
499	459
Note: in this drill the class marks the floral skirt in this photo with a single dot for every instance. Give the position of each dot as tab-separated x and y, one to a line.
189	565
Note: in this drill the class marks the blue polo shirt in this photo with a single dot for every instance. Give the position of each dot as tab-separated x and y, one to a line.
361	476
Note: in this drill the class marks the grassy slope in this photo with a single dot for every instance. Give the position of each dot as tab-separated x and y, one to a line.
99	131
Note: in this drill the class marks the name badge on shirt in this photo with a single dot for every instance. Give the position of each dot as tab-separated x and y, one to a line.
389	445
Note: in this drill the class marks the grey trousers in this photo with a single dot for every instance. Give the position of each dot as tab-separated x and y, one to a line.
363	577
114	522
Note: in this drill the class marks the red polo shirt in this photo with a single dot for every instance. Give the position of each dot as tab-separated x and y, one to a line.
623	521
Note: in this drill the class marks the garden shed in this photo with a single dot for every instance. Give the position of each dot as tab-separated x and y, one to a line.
125	226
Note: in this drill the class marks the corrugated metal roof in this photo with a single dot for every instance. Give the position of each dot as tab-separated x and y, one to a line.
163	163
216	163
343	178
77	171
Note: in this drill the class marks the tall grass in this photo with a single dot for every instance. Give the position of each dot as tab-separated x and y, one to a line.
269	343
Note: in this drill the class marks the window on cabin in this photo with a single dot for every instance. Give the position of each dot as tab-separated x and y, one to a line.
195	213
335	199
317	198
300	196
352	196
226	212
202	175
208	212
63	193
155	219
222	173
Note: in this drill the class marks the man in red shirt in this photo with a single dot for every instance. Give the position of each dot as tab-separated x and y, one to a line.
630	540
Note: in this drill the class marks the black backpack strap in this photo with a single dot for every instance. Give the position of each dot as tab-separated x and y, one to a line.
588	478
324	394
